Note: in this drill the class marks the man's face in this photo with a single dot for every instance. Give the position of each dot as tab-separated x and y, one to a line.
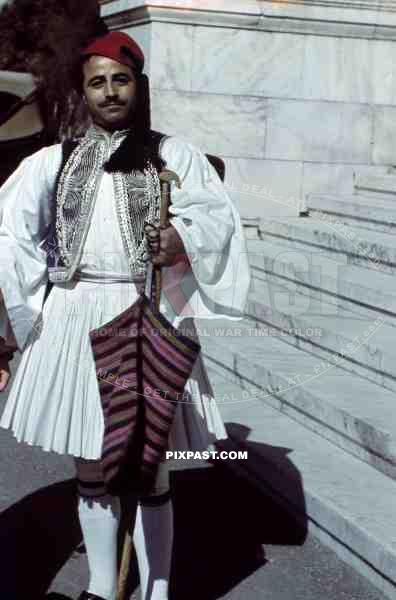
110	92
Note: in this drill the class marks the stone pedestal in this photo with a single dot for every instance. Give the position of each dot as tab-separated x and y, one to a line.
294	96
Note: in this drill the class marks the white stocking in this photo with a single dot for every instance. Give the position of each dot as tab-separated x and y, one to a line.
99	519
153	539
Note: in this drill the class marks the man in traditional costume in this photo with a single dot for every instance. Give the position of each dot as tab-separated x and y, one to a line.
73	216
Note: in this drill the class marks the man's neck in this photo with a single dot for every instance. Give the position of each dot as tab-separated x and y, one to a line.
108	132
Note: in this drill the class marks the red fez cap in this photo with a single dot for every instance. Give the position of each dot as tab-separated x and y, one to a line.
120	47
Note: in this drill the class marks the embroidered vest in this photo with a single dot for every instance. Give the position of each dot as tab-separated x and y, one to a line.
137	196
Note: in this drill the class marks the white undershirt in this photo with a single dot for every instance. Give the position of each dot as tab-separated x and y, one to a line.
103	253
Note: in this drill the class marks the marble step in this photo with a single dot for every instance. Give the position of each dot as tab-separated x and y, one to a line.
371	249
375	185
377	214
320	274
312	324
346	503
353	413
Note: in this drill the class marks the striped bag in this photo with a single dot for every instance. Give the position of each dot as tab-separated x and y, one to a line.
142	365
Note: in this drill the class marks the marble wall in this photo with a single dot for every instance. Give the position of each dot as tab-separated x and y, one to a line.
289	112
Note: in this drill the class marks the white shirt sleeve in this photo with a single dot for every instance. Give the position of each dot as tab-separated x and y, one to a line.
25	214
210	227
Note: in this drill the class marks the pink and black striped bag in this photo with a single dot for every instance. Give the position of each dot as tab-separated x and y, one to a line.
142	365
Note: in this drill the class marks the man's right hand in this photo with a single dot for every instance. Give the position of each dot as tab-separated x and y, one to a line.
5	374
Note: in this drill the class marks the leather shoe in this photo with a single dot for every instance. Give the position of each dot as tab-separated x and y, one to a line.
88	596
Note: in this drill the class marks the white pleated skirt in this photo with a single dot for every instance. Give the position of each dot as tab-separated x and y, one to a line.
54	399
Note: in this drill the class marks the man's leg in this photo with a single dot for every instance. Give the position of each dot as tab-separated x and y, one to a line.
99	515
153	539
